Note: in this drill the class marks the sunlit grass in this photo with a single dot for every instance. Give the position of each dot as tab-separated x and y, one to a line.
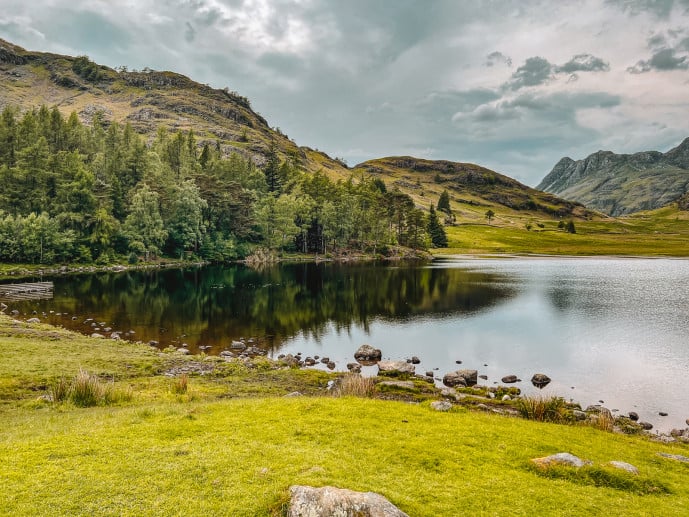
239	457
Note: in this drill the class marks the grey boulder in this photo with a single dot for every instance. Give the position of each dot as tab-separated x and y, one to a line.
306	501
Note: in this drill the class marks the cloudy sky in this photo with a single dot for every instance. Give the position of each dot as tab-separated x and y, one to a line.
511	85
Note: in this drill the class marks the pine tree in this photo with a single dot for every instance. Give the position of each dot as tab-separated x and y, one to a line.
436	230
444	202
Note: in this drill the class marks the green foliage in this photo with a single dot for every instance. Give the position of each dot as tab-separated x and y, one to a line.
70	192
570	227
436	231
489	215
444	202
86	69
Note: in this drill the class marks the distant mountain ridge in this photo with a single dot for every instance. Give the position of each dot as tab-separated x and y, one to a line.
619	184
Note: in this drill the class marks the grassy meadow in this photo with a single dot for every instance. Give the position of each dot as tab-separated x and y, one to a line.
662	232
228	442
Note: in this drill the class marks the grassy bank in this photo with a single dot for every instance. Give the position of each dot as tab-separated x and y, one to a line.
229	443
663	232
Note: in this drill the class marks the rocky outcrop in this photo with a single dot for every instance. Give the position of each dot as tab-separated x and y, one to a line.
306	501
395	368
461	378
619	184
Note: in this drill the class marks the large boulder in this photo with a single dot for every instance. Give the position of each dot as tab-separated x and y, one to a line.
306	501
509	379
368	354
461	378
395	368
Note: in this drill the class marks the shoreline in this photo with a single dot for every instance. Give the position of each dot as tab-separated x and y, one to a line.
504	398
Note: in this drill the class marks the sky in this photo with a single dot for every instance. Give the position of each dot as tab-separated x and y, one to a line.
511	85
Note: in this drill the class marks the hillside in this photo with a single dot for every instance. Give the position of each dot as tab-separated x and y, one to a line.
147	99
619	184
473	189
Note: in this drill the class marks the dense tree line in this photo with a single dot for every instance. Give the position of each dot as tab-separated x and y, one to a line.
72	192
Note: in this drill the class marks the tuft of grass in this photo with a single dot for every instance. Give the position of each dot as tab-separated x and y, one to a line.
87	390
355	385
603	421
59	391
180	385
543	409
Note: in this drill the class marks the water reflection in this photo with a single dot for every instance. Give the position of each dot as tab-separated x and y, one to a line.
214	305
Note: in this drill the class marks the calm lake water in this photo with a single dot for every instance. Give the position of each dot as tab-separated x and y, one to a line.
606	329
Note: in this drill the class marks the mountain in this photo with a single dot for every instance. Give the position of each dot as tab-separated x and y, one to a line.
471	186
147	99
150	99
619	184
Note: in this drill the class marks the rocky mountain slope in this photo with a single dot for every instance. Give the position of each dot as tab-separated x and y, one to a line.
150	99
619	184
470	185
147	99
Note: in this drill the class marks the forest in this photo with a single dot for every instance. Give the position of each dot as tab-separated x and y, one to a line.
71	192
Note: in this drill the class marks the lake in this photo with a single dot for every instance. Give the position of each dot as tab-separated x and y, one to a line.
611	329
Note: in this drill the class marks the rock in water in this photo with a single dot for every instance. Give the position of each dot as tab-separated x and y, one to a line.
306	501
509	379
540	380
366	353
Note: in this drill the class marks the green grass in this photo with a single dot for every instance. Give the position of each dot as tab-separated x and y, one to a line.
239	457
663	232
230	443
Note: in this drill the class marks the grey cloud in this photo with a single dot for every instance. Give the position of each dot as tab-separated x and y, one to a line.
584	63
537	70
534	71
662	60
684	44
498	57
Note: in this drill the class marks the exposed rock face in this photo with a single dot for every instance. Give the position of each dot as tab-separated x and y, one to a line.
329	501
395	368
367	353
619	184
461	378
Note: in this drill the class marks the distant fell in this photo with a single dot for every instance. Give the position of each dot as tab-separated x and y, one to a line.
469	184
620	184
